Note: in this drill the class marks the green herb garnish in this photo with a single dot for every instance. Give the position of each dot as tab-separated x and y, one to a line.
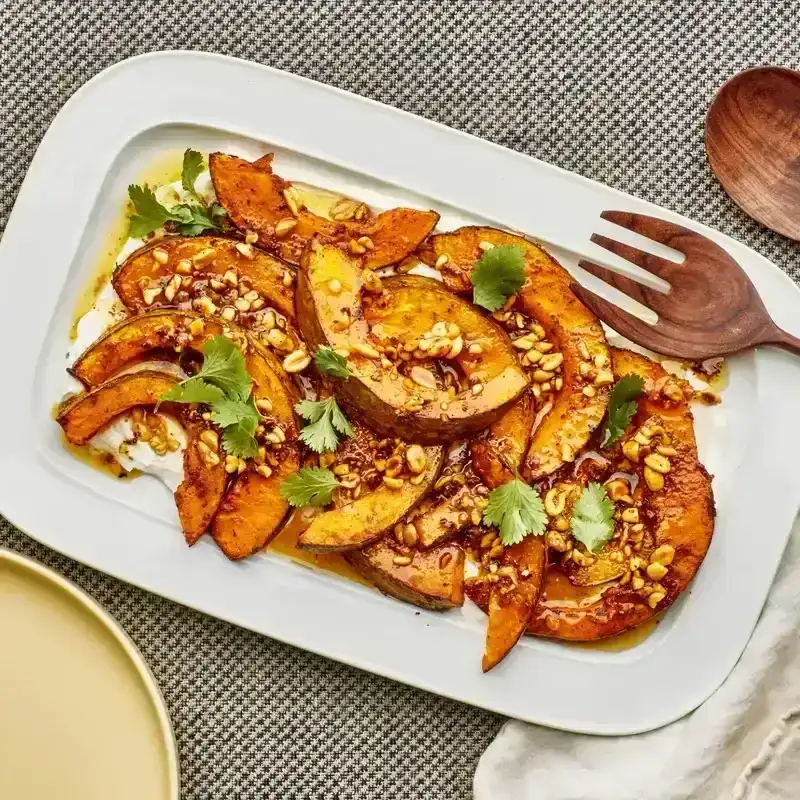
191	219
499	273
517	510
224	384
592	519
311	486
621	407
332	363
326	424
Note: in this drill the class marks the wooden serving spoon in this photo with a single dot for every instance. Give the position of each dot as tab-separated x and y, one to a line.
753	145
712	308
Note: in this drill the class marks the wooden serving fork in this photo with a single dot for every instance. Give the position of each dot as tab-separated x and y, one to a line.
712	308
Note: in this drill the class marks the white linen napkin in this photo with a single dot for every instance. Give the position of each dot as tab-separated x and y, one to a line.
743	743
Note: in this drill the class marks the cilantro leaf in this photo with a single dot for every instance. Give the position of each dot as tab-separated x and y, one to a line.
228	411
238	440
150	214
332	363
592	519
193	390
621	407
311	486
192	167
195	220
517	510
326	424
224	366
499	273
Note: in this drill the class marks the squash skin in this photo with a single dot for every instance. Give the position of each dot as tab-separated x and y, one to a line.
366	519
263	271
83	416
241	528
547	298
252	195
407	307
431	580
201	491
684	511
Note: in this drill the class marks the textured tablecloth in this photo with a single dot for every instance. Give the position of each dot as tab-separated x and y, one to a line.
613	90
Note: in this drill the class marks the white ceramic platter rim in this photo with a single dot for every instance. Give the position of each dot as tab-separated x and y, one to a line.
593	692
128	646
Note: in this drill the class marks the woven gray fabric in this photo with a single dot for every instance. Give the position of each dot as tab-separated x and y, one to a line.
612	90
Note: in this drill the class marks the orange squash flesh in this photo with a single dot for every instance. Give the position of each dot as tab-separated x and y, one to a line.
366	519
242	527
510	607
681	516
407	308
200	493
85	415
209	257
497	452
569	326
253	197
434	579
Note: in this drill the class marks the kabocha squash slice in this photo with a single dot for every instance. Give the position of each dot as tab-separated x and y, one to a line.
253	510
401	313
497	452
256	200
453	505
432	579
571	329
678	525
367	518
511	605
201	491
143	280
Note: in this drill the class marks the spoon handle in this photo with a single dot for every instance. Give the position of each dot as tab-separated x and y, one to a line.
786	341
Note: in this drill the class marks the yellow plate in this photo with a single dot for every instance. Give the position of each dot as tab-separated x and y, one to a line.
81	717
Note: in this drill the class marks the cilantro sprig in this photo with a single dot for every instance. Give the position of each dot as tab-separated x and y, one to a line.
592	520
517	511
326	424
191	219
499	273
311	486
331	363
621	407
224	384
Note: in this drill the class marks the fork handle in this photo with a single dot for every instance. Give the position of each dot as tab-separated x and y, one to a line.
785	340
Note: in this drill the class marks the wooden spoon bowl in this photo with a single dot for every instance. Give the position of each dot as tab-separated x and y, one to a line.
753	145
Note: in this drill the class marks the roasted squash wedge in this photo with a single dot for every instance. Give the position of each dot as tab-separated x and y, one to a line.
569	329
400	397
83	415
243	526
454	504
151	277
497	452
511	604
256	200
366	519
432	579
199	495
677	524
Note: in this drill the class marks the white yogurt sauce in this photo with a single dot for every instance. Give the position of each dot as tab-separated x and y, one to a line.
105	312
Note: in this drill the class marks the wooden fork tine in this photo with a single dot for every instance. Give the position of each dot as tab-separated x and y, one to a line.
658	337
647	261
625	284
659	230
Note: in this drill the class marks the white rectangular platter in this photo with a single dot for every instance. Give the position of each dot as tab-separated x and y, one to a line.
129	115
